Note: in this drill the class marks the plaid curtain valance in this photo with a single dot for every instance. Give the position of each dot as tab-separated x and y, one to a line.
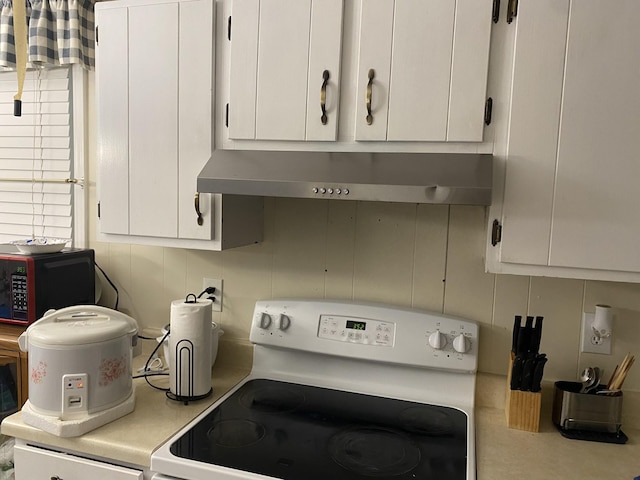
60	32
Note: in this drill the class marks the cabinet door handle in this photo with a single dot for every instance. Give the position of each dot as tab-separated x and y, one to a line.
371	76
56	477
323	96
197	205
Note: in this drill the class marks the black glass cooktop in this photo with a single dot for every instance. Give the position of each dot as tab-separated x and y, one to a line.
297	432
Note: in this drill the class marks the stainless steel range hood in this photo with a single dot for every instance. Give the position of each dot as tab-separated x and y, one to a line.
387	177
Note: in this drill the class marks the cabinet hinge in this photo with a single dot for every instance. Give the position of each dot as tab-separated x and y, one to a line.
496	233
512	10
496	11
229	28
98	209
96	35
226	117
488	110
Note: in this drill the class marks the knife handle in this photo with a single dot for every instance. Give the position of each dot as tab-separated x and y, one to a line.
529	322
516	330
527	374
516	373
538	372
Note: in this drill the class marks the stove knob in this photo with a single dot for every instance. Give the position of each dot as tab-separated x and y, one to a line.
265	321
461	344
283	322
437	340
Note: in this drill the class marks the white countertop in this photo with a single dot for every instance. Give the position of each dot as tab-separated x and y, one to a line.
505	453
502	453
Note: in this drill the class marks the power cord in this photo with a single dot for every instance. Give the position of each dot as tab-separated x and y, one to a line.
150	373
115	289
209	291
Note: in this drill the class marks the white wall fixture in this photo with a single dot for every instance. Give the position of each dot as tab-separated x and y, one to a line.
597	330
217	283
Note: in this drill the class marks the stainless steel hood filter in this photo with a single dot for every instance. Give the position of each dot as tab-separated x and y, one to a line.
460	179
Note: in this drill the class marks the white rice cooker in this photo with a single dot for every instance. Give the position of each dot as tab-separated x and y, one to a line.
79	368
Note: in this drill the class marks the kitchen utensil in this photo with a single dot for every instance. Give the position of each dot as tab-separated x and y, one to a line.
536	337
516	330
538	372
522	345
620	373
525	345
608	392
80	366
596	380
587	377
527	374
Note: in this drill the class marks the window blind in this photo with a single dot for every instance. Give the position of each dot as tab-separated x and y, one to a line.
36	156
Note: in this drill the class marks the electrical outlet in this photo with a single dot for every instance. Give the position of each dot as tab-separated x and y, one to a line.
590	343
217	283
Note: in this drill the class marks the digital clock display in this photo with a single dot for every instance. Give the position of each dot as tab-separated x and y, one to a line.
21	270
352	324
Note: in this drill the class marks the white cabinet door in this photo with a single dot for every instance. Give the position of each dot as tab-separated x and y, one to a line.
32	463
325	46
596	219
279	52
422	70
112	100
155	101
541	32
153	120
283	61
374	69
571	196
195	114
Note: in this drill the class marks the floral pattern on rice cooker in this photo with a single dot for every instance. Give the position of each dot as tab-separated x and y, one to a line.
111	369
39	372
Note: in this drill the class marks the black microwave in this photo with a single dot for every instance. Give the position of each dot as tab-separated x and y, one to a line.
32	284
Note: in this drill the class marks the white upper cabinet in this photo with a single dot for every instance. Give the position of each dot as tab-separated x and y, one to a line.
422	70
570	205
416	70
154	88
284	68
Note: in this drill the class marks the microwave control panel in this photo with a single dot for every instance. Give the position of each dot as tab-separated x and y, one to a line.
19	296
14	296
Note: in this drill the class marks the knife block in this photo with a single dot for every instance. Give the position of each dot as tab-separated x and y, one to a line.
522	409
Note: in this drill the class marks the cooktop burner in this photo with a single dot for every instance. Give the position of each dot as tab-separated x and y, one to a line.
297	432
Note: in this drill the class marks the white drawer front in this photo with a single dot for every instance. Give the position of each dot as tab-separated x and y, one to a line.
33	463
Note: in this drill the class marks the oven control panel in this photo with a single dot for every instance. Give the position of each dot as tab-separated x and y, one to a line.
367	331
357	330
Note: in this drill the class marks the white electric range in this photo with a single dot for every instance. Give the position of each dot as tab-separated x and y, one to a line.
340	391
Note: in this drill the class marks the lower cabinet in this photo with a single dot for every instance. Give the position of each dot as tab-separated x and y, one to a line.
13	371
35	463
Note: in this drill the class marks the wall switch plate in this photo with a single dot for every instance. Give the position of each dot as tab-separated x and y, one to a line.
217	283
590	343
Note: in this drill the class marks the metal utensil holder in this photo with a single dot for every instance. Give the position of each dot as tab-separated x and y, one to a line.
573	410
